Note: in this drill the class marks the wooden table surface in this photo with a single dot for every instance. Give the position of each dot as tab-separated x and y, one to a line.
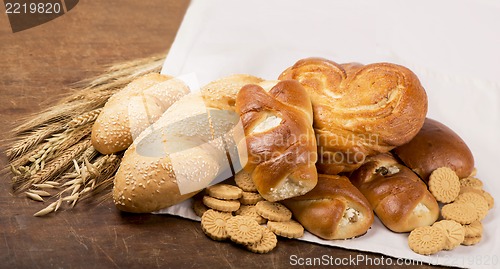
36	67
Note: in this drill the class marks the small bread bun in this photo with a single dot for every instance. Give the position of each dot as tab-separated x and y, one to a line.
334	209
133	109
433	147
399	198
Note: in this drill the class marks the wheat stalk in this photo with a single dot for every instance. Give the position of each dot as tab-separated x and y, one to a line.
56	166
36	160
51	151
84	119
31	139
83	184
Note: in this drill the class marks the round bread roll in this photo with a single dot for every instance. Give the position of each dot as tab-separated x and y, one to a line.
131	110
433	147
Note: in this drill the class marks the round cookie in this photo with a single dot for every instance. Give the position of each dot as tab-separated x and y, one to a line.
486	195
221	205
471	182
273	211
454	231
477	200
473	233
288	229
426	240
266	244
250	198
469	241
243	230
489	198
444	184
244	181
474	229
213	224
224	192
463	213
250	211
199	208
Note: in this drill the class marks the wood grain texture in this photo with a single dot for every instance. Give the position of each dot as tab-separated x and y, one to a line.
36	67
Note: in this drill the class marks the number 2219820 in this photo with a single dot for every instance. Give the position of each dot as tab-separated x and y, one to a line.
32	8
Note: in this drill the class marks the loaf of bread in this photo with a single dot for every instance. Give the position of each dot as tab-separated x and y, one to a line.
396	194
334	209
359	110
184	151
279	138
433	147
131	110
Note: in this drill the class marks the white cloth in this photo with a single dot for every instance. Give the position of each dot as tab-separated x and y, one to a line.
453	46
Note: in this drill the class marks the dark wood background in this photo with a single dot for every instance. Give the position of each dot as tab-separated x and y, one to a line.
37	66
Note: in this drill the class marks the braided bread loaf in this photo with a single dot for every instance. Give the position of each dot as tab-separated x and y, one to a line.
359	110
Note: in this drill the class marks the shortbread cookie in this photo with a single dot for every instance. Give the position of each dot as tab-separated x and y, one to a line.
224	192
221	205
288	229
250	198
198	207
473	233
454	231
444	184
267	243
469	241
273	211
250	211
213	224
244	181
463	213
471	182
465	189
243	230
426	240
491	201
486	195
474	229
477	200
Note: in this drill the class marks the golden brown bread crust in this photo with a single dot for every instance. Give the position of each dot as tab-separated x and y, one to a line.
433	147
144	99
222	93
281	158
173	153
321	210
146	184
359	110
189	132
395	193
